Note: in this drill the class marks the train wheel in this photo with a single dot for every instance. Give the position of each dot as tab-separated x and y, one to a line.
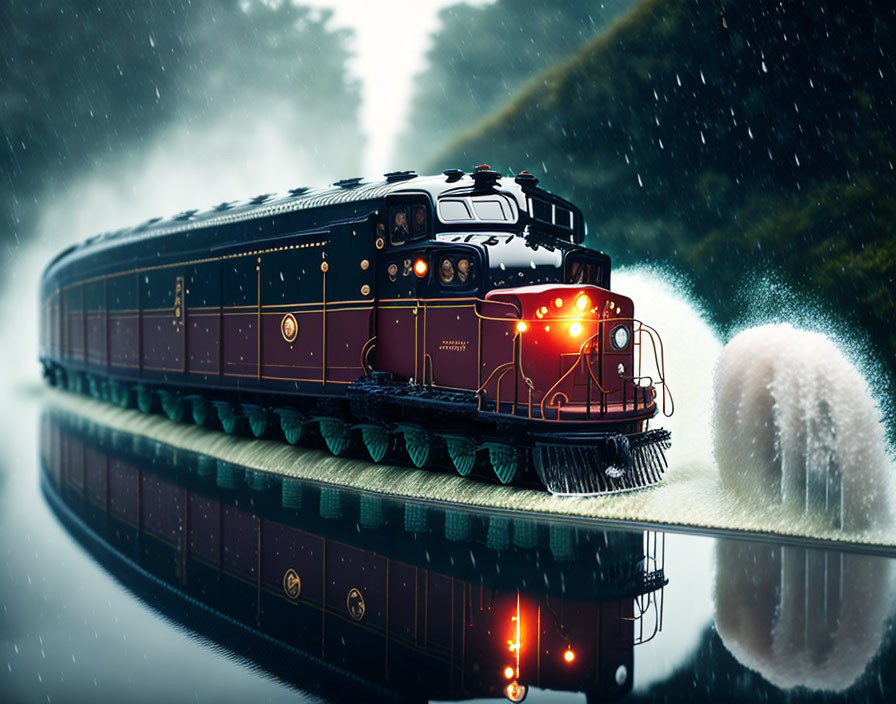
145	398
201	411
376	440
294	425
173	405
462	452
420	445
259	418
330	504
337	435
121	394
371	512
76	383
94	388
505	461
232	422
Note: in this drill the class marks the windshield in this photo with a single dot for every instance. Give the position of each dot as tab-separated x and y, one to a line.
494	207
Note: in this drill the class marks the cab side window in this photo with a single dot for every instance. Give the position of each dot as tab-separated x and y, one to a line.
408	220
399	224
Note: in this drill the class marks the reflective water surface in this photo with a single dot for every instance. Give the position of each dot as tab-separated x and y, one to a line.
144	572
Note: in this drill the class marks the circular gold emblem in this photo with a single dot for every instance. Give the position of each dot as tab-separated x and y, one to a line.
292	585
365	289
289	328
380	243
324	266
355	605
365	265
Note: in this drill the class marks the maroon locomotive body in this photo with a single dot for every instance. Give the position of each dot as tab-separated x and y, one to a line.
449	319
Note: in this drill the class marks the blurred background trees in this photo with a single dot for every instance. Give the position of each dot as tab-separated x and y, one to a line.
730	142
484	55
85	85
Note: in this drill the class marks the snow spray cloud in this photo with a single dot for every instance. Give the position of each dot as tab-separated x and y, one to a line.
795	424
801	617
691	348
765	299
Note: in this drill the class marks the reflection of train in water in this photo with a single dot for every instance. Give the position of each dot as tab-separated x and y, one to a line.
395	598
456	315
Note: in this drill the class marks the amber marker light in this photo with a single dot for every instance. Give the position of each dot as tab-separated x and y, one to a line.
569	655
508	672
521	326
558	302
420	268
575	329
583	303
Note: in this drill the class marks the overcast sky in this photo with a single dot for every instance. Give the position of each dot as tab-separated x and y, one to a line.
392	37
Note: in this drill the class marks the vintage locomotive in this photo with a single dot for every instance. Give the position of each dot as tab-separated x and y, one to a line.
455	318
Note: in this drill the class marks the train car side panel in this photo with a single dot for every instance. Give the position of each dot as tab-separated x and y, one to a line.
95	322
292	312
452	344
123	321
348	295
73	305
239	333
202	305
162	320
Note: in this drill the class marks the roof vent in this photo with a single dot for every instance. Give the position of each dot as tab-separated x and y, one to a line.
348	182
185	215
395	176
300	191
453	174
260	198
151	221
526	180
223	205
484	176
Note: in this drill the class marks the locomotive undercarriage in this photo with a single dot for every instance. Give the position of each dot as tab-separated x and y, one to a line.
426	428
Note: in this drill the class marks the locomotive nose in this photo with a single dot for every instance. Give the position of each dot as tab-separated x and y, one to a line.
564	317
576	344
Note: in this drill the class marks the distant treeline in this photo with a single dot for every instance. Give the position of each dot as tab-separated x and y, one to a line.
726	139
85	83
484	55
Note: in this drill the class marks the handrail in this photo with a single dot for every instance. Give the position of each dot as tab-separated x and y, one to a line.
660	362
639	329
365	354
569	371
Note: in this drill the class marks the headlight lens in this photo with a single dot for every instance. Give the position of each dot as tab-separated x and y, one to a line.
619	337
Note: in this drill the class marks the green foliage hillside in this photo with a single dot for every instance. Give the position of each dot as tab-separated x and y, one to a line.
726	139
483	55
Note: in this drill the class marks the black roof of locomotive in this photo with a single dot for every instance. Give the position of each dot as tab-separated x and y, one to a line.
303	198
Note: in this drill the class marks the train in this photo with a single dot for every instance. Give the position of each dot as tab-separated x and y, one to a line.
352	596
454	321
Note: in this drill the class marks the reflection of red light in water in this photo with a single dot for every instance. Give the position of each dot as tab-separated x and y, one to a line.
514	646
516	692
